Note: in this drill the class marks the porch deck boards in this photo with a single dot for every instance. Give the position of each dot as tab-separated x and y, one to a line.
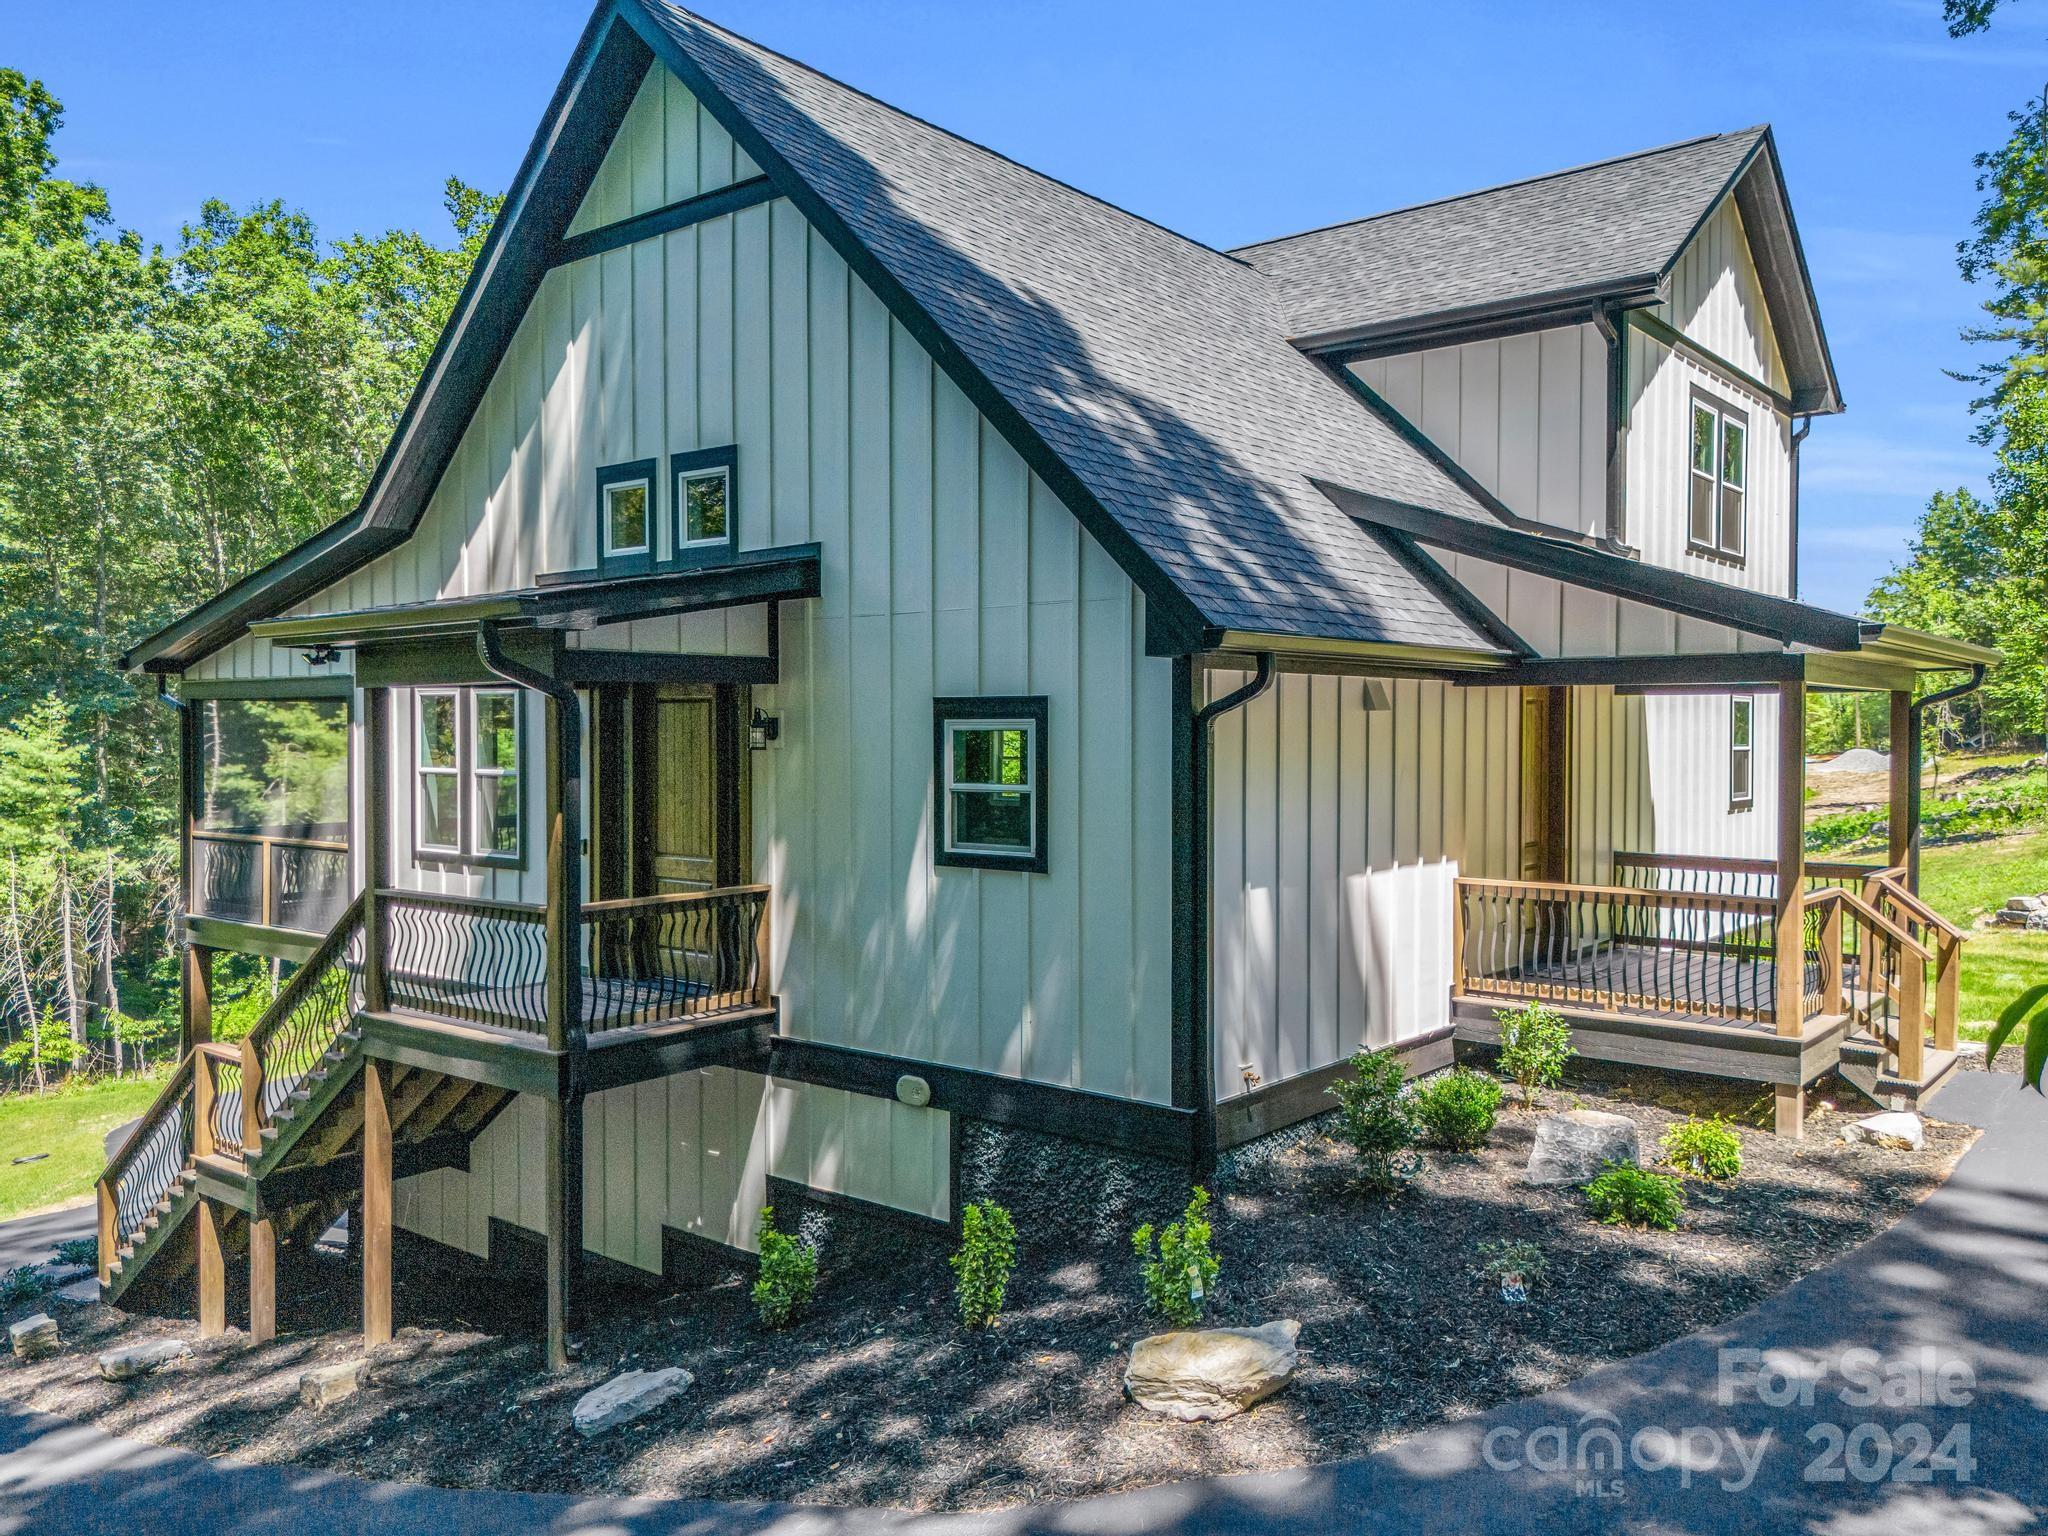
609	1003
1674	983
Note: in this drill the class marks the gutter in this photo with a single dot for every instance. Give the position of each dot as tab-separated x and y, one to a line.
1798	436
1915	713
1202	1046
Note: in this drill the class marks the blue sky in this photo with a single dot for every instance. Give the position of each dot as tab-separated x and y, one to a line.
1228	122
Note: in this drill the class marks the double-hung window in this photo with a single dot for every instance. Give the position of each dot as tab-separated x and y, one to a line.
1741	752
1717	478
991	778
466	775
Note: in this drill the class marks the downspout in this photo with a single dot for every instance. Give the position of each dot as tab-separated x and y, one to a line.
1201	1046
1914	712
1798	436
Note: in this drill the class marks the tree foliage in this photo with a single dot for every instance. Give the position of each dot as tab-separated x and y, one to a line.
169	421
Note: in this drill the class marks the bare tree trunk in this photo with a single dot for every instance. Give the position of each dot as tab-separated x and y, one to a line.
74	1011
20	957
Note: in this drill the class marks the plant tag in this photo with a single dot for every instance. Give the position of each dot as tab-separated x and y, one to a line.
1514	1290
1194	1283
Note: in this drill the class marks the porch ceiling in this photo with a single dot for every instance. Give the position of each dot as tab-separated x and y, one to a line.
764	576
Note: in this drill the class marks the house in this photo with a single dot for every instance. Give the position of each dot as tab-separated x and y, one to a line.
857	650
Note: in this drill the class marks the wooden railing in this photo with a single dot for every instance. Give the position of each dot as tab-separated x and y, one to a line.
1614	947
138	1176
689	955
271	881
466	959
1875	970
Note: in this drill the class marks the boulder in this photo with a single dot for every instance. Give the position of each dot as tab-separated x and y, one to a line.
1899	1128
1574	1146
80	1293
1211	1373
33	1337
140	1359
331	1383
627	1397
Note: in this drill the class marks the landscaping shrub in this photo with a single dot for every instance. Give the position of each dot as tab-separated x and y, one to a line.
1513	1261
1377	1116
1707	1149
79	1250
987	1254
22	1284
789	1274
1457	1108
1636	1197
1535	1043
1181	1278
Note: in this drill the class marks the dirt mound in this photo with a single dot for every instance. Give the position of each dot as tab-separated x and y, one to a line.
1855	760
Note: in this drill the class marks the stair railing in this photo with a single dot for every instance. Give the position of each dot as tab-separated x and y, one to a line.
300	1026
1889	994
137	1177
1887	892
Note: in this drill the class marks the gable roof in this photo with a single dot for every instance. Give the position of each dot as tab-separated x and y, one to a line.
1610	232
1145	377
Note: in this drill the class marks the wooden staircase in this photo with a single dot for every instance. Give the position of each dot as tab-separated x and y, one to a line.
267	1137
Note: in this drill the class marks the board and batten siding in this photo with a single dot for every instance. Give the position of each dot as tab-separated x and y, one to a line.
948	568
1338	831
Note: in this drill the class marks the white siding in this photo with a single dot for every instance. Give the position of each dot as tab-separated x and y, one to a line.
1338	833
1718	300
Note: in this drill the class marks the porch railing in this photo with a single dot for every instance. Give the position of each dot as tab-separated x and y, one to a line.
299	883
688	955
466	959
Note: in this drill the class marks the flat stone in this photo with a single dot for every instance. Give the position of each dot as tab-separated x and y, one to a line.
140	1359
1212	1373
1572	1147
331	1383
80	1293
55	1274
2026	904
1899	1128
33	1337
627	1397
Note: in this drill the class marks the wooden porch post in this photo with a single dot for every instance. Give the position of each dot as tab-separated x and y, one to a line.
376	1203
1791	920
564	1142
213	1272
196	961
198	996
1905	759
262	1278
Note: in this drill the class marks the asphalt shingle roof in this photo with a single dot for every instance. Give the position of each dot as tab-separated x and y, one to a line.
1596	225
1157	369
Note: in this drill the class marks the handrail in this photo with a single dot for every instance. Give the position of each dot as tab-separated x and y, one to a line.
1709	863
167	1097
440	902
671	899
1757	906
118	1221
276	839
306	977
1872	916
1921	912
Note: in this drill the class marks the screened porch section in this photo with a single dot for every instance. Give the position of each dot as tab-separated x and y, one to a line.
270	812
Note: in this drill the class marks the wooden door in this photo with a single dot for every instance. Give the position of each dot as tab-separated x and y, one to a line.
1543	787
683	836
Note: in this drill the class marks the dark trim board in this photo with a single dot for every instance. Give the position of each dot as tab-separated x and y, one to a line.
1123	1125
584	669
660	221
500	1058
1745	1054
1714	672
785	1195
250	938
338	685
1275	1106
1484	322
615	1058
1677	341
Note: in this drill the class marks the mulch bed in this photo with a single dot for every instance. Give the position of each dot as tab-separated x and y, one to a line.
879	1398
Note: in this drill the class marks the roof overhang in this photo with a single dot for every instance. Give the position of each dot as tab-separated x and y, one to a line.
1484	322
1892	657
765	576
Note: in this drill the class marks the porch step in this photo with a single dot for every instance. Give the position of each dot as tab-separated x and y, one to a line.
1863	1067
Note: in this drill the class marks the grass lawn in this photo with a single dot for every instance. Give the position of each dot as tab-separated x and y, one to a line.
70	1124
1966	880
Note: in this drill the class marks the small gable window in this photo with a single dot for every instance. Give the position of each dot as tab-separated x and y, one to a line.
1717	478
705	494
466	775
1741	752
991	778
625	517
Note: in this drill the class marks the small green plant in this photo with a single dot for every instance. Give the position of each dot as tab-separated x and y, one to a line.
1180	1276
1706	1149
1457	1108
79	1250
2034	1053
1513	1261
1535	1043
789	1274
987	1255
25	1283
1376	1116
1636	1197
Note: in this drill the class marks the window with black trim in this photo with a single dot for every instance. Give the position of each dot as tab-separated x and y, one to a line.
990	771
1741	751
467	775
706	499
1717	478
625	517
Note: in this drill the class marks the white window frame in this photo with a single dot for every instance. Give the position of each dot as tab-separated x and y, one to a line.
1716	483
478	772
1029	716
684	480
645	485
422	770
1743	705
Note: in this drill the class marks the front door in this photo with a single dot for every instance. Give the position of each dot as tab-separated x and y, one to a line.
683	835
1538	774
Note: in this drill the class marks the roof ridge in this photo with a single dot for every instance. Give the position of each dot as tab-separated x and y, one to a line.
1501	186
958	138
